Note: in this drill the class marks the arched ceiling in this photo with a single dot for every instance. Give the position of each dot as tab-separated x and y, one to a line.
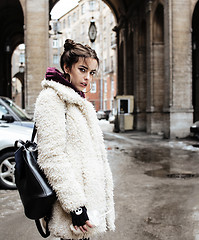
119	7
52	4
12	21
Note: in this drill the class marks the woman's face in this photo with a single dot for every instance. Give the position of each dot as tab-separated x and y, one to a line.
82	72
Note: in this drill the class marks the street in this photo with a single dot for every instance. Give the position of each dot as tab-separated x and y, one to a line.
156	190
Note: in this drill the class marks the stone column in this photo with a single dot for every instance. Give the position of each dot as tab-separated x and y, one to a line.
36	40
117	54
150	107
168	65
141	79
119	61
181	110
125	49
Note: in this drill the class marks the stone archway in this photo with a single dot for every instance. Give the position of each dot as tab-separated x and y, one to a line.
195	62
12	34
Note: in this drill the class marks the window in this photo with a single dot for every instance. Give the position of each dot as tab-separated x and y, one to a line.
22	58
64	23
105	104
93	87
124	105
106	68
92	5
158	26
105	86
105	43
77	14
104	23
3	111
74	17
105	65
112	39
112	85
55	43
112	104
20	113
82	8
69	21
55	59
112	63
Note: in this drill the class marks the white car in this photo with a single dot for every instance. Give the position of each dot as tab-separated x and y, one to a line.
11	113
9	133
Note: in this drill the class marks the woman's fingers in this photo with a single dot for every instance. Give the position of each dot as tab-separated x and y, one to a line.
89	224
82	229
85	228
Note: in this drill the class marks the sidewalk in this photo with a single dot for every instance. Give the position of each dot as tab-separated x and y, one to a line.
156	186
189	143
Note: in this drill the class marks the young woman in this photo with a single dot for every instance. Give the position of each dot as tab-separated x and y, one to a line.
71	148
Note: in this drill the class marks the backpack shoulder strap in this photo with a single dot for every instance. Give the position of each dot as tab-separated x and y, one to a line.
34	133
40	229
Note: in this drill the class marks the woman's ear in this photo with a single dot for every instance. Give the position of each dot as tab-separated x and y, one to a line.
66	69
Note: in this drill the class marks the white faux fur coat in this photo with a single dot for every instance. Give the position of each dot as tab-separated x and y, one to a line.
72	154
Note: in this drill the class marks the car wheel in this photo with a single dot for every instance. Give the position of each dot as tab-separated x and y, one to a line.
7	164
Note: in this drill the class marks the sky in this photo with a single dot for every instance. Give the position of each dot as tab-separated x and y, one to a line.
62	7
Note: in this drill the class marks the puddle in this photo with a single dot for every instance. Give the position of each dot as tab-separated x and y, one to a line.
182	175
149	155
163	173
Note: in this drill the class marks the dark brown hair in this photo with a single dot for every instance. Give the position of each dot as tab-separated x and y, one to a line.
73	51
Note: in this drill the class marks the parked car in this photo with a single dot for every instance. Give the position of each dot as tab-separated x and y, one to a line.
107	112
9	133
194	129
101	114
112	115
111	118
11	113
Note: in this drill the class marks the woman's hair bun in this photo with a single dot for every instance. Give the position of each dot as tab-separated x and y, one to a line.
69	44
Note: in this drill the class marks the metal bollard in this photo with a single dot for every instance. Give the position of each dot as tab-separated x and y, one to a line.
122	129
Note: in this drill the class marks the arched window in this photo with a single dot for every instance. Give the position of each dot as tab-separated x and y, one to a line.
158	25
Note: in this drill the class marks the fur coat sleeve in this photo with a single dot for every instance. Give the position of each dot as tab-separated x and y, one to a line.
51	126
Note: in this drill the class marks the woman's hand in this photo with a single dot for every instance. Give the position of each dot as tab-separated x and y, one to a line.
84	228
80	219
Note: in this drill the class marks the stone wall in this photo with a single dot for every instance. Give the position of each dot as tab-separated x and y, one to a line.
36	16
160	77
162	65
181	109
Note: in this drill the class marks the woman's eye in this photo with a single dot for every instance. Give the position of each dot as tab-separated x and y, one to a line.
92	73
82	69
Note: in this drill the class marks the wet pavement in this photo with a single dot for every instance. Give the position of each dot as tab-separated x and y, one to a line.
156	190
156	187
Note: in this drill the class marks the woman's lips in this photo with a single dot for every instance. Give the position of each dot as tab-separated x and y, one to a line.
84	84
